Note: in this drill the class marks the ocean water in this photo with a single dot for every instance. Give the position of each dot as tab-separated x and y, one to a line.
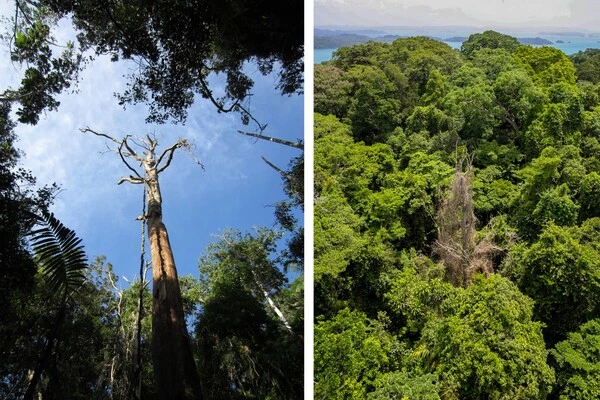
323	55
571	45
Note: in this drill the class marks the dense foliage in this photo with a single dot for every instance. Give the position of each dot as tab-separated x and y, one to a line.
20	204
85	345
250	325
176	46
456	221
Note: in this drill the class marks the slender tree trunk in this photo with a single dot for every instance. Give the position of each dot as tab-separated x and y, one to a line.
272	304
138	325
175	374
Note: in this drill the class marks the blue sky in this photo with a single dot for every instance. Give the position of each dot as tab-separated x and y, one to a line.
236	188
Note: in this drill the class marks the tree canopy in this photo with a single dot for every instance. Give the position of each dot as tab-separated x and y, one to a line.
175	45
455	222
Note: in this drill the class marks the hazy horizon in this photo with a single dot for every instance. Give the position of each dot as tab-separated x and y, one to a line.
384	28
530	15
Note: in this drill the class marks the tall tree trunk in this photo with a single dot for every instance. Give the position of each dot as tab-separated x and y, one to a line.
175	374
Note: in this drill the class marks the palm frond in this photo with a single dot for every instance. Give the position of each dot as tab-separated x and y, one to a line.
60	254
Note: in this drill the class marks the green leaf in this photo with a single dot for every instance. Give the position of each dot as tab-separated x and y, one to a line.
60	254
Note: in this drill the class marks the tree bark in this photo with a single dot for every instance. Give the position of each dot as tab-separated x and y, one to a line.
175	374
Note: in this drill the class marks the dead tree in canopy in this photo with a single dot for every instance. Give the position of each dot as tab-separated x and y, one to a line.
175	373
460	250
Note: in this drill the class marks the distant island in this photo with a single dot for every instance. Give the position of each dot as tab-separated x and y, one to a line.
538	41
366	32
326	39
349	39
456	39
535	41
344	39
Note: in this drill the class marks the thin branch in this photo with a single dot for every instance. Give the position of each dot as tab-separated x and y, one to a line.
143	144
276	168
170	151
131	179
130	150
125	161
131	153
23	12
88	129
296	145
208	93
152	143
261	127
16	21
236	105
10	96
196	159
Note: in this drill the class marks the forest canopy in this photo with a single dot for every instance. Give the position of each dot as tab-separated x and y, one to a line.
175	45
456	221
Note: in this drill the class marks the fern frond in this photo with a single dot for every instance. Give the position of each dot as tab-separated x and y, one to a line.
60	253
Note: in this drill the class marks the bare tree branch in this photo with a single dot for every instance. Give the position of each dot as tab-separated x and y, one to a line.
10	96
196	159
137	141
236	105
132	153
122	143
296	145
170	151
125	161
131	179
88	129
152	143
23	12
276	168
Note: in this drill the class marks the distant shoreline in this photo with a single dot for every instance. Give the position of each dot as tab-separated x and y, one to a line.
329	39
